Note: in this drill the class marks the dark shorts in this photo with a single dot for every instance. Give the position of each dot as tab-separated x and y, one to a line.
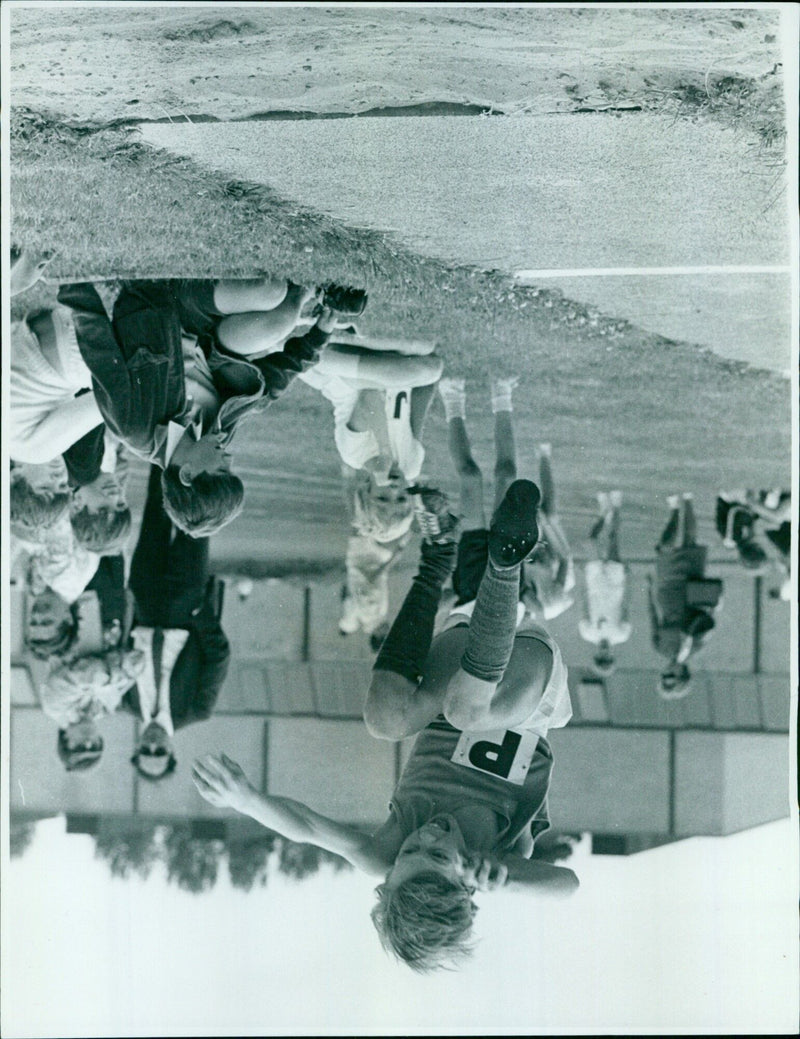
781	538
471	560
195	299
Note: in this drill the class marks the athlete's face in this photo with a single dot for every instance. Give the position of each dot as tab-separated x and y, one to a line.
438	847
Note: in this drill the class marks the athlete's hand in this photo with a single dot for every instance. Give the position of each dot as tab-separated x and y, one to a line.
222	782
486	873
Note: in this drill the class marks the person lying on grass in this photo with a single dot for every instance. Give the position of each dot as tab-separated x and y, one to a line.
472	797
184	362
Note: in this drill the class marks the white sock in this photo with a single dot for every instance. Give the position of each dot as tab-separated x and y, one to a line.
501	393
453	397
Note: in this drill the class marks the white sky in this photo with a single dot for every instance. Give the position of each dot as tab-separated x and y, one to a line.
699	936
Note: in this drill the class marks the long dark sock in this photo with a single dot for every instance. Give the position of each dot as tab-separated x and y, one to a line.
405	649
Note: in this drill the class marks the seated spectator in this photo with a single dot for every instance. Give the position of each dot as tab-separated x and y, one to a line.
172	386
365	596
98	471
77	693
380	403
51	625
177	629
38	497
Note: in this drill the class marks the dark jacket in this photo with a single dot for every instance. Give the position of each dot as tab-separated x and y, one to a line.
137	364
201	667
116	602
85	457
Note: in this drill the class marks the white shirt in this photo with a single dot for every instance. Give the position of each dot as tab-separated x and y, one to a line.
59	560
200	388
154	689
44	415
605	594
357	447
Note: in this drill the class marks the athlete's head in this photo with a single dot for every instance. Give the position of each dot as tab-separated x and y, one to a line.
425	909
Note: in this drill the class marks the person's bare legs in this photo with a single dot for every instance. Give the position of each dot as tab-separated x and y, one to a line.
505	468
469	474
669	536
612	528
241	295
546	481
689	522
260	331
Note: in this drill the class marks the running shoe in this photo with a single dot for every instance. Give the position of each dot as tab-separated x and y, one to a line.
514	531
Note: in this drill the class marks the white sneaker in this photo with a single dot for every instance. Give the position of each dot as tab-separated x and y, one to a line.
604	502
674	501
615	499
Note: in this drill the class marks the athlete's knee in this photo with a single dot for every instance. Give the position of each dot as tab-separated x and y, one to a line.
466	707
386	710
465	716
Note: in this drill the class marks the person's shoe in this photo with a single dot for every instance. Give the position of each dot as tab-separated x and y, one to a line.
545	450
344	300
687	496
514	532
603	502
615	499
435	521
674	501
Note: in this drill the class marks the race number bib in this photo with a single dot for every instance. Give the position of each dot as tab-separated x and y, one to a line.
504	753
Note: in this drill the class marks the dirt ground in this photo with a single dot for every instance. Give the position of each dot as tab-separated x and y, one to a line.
105	64
228	61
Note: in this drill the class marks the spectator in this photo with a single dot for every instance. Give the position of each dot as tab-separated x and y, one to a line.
605	622
682	601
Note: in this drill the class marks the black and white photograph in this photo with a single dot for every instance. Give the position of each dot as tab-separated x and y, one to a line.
400	452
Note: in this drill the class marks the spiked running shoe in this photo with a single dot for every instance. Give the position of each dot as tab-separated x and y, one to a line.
434	519
514	531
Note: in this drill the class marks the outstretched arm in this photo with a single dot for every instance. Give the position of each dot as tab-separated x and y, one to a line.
540	877
223	784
